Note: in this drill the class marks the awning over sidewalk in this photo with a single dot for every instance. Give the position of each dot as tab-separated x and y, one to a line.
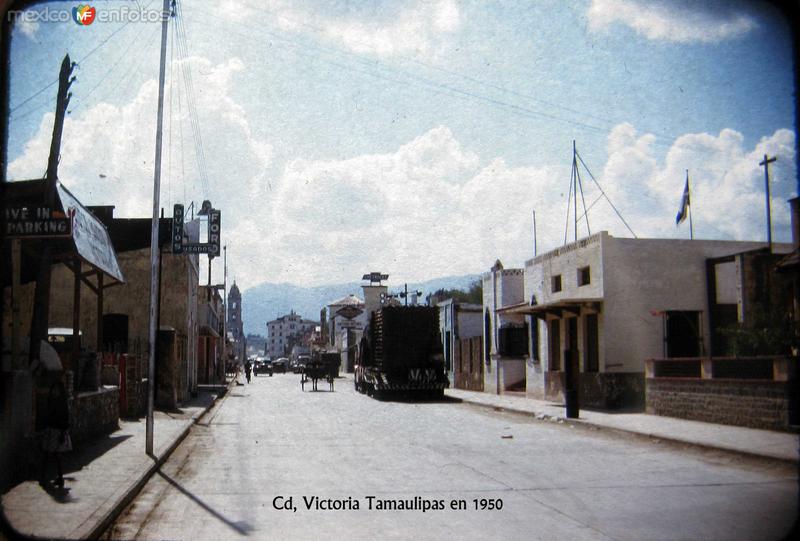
90	237
556	308
88	240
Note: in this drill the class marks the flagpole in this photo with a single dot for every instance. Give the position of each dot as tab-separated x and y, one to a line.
689	191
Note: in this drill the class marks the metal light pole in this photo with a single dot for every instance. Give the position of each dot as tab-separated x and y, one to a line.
155	252
224	312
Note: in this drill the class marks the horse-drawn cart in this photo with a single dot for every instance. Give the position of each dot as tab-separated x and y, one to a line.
320	367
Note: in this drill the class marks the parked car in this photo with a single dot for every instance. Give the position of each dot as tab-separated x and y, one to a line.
280	365
263	367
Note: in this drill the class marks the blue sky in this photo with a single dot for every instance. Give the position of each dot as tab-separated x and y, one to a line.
416	137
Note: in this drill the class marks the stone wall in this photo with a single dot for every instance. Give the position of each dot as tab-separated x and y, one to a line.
612	390
603	390
755	404
94	414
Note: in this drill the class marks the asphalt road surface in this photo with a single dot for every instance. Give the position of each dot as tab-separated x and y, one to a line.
273	462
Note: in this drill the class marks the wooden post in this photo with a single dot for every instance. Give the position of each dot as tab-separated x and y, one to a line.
76	313
41	302
16	262
100	313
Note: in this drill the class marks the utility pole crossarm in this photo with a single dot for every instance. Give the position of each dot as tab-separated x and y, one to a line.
765	164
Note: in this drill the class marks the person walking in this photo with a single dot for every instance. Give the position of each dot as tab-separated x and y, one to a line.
56	439
248	370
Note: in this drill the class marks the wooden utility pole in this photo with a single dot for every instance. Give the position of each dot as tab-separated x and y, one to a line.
765	163
155	249
41	303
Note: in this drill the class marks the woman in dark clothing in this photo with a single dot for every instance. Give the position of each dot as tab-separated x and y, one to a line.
56	438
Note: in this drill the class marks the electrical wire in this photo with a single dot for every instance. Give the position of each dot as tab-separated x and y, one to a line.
14	108
604	194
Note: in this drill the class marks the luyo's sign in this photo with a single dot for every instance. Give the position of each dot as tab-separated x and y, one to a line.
36	222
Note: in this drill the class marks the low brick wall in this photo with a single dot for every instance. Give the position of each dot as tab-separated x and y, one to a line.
750	403
94	414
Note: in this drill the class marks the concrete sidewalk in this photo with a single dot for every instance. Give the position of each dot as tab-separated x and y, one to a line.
747	441
101	477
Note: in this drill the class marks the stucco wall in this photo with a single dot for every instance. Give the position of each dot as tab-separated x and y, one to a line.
564	261
178	283
643	277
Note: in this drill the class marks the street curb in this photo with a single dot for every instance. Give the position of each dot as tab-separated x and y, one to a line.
105	522
544	417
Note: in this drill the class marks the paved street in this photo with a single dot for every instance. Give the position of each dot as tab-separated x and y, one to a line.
268	444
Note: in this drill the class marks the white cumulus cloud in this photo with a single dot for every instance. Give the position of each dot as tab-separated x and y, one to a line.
433	208
727	184
681	21
107	150
417	27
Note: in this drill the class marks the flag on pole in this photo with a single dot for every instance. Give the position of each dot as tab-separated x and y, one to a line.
684	210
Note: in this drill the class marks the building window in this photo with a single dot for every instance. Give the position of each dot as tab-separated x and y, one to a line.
591	348
584	276
555	283
554	337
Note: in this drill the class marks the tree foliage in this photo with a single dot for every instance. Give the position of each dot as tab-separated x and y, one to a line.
473	295
769	332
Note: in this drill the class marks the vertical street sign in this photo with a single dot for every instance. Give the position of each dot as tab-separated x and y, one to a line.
177	229
214	222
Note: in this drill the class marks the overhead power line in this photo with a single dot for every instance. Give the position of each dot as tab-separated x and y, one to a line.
80	60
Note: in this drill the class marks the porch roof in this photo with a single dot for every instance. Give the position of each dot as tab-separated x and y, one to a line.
556	308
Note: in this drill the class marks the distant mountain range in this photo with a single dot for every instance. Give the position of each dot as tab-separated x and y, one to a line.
267	301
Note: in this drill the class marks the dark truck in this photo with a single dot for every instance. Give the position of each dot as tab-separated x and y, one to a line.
401	353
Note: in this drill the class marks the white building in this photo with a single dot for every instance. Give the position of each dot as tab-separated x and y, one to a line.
457	321
504	359
609	304
338	324
349	316
285	332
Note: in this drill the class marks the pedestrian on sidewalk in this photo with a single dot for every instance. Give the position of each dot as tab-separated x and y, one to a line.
248	370
55	437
